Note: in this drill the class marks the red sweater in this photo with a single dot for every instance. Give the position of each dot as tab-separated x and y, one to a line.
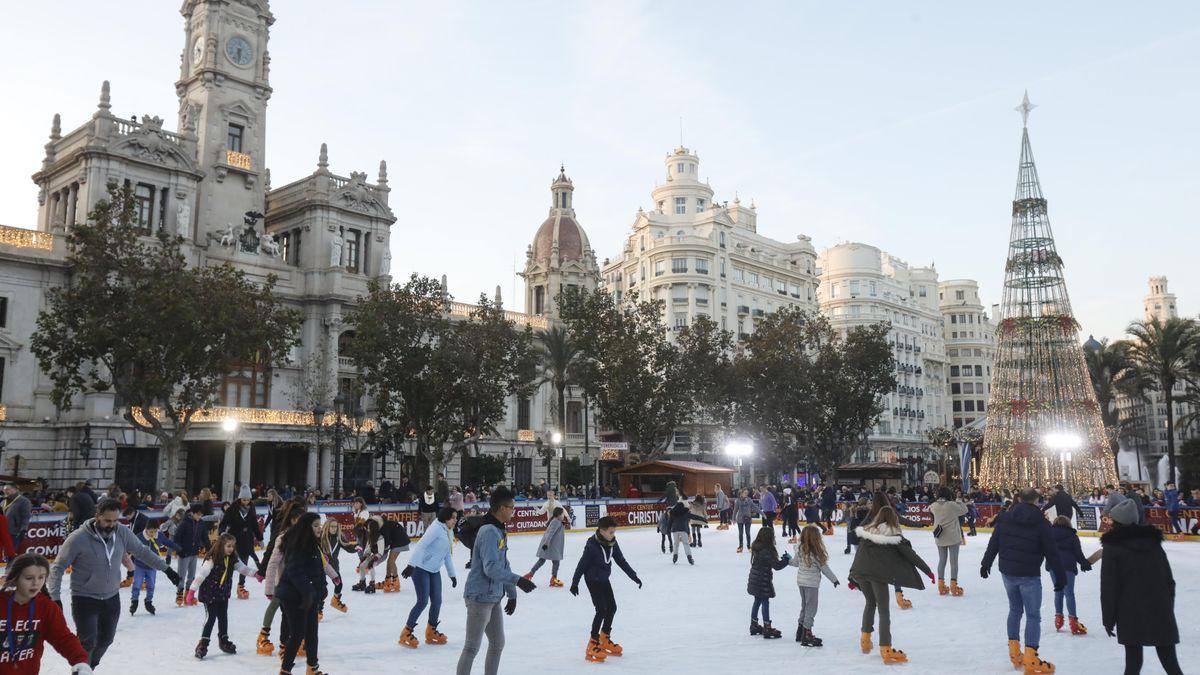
30	637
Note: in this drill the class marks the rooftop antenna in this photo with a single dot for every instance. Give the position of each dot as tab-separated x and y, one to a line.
681	131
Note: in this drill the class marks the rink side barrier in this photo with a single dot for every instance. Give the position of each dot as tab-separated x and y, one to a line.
47	530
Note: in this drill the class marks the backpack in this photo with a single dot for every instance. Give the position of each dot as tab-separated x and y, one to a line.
468	528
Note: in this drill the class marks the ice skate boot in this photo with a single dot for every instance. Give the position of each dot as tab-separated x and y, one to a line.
891	656
674	558
179	598
955	589
337	603
1058	622
407	639
314	670
393	586
770	633
132	607
739	549
149	607
370	589
242	593
943	589
847	551
226	646
555	583
755	628
594	652
1014	654
432	636
1034	665
903	602
202	648
263	644
610	648
691	561
361	585
816	641
1076	627
864	641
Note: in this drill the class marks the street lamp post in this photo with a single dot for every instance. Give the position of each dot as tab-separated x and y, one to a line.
739	450
556	439
1064	444
230	425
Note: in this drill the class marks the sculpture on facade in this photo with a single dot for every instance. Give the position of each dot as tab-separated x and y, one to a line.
183	218
360	196
269	245
249	238
335	250
385	266
228	236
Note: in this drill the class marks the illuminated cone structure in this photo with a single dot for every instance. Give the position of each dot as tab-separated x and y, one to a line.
1043	423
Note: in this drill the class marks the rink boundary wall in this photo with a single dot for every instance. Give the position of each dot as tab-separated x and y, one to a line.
47	530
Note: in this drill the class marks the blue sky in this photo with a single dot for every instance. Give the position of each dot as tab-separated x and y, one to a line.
883	122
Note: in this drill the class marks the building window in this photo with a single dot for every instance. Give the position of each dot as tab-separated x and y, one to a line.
978	371
523	412
754	278
855	288
352	248
680	205
953	371
699	206
953	318
871	288
979	407
921	291
233	138
957	406
738	274
660	210
701	265
143	197
3	312
969	406
247	386
679	265
162	209
960	295
968	388
681	321
955	388
563	195
574	417
539	306
679	167
781	286
660	267
721	239
683	441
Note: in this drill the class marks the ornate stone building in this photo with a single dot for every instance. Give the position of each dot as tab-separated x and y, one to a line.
324	236
970	349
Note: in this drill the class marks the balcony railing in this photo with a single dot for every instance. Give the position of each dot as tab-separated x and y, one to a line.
345	363
265	416
464	310
23	238
238	160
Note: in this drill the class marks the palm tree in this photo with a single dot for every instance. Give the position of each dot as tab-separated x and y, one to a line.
559	358
1114	375
1165	352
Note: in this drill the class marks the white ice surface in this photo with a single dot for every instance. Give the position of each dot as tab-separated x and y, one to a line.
685	620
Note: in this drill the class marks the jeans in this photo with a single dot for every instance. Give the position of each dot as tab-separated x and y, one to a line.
808	605
1024	595
144	574
216	612
429	591
186	567
95	624
743	528
605	604
876	595
1068	592
482	618
950	552
764	602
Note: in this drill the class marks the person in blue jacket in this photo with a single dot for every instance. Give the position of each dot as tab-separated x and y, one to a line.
1022	539
595	568
490	579
433	550
158	542
1070	553
1174	505
192	539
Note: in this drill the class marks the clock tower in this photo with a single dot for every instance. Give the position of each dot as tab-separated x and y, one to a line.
223	90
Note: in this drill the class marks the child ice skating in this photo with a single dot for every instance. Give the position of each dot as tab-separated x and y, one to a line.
1070	554
371	550
551	548
764	561
681	517
811	561
595	567
212	586
192	539
144	574
433	551
33	620
884	558
333	542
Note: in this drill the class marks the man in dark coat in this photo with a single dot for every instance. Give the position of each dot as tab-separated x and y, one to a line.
17	510
1063	503
828	504
1137	590
1023	540
82	505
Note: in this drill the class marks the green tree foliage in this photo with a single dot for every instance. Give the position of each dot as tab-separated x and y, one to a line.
1114	374
446	381
559	356
136	320
484	470
1165	353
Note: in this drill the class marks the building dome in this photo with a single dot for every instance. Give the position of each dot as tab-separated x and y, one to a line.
561	228
1092	344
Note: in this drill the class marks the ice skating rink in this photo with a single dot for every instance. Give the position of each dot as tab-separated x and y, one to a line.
685	620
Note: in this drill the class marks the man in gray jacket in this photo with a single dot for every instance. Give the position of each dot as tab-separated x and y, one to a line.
16	509
95	551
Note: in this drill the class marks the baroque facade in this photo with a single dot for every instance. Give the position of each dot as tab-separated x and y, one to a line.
324	236
970	349
862	285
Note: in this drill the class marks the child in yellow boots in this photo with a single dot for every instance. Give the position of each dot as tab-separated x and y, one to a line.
595	567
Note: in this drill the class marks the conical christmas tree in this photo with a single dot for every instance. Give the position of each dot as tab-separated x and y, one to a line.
1043	423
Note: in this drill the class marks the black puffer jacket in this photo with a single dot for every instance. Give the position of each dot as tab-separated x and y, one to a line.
763	562
1023	540
856	519
1137	590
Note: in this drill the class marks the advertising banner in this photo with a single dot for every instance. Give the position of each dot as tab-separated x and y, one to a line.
591	517
634	513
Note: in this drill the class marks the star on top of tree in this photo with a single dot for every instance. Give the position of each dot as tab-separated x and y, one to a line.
1025	108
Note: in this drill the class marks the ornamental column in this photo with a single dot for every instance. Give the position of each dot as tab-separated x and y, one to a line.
310	475
230	466
326	470
244	468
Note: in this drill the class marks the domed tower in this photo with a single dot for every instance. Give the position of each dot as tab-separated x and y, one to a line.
560	256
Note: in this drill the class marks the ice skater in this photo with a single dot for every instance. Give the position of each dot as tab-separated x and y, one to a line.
1070	554
681	517
145	575
333	542
371	550
664	531
764	562
744	510
433	551
551	548
811	561
595	567
884	557
22	597
722	508
212	586
947	534
697	507
857	517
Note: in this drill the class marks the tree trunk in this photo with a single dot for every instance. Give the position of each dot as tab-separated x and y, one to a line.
170	446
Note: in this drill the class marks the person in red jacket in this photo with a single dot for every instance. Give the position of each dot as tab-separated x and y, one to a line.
29	619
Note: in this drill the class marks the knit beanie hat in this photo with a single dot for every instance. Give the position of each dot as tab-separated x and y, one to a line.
1125	513
245	493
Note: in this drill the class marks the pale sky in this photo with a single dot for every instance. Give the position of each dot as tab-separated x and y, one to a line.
889	123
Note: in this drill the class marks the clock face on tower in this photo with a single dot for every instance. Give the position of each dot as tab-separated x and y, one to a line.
197	51
238	51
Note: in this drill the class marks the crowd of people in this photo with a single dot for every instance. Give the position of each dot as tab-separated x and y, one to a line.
202	544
